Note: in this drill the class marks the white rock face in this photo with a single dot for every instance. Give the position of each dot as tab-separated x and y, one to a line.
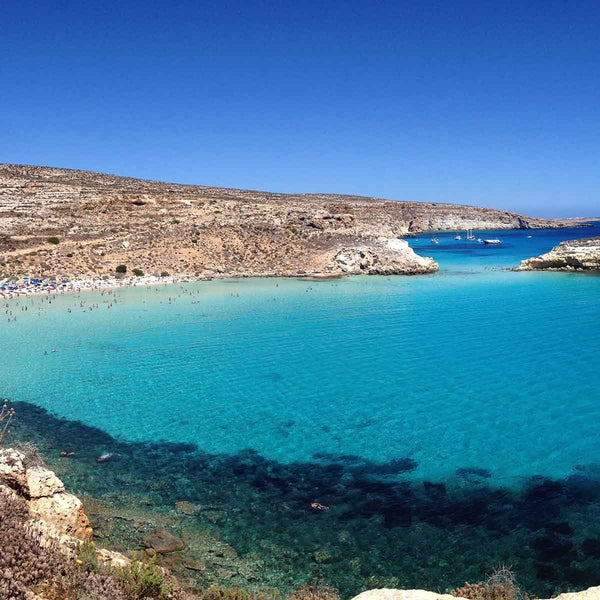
383	256
42	483
111	558
64	512
12	469
592	593
391	594
397	244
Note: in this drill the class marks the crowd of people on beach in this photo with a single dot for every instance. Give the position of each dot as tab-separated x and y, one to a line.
27	286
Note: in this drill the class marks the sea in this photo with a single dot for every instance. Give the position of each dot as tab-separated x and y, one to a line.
413	432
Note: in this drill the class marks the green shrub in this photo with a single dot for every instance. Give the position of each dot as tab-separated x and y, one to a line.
138	272
144	580
87	556
121	269
175	222
164	273
53	240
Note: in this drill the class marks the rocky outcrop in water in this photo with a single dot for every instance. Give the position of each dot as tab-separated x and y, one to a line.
573	255
74	224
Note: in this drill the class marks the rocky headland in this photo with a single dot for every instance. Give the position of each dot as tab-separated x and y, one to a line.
71	224
572	255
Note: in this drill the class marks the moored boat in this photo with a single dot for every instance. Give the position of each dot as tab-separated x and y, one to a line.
494	241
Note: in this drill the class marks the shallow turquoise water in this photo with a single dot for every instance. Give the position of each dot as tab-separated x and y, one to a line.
417	379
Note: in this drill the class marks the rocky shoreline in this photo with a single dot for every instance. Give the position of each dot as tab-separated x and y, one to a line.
74	225
572	255
58	517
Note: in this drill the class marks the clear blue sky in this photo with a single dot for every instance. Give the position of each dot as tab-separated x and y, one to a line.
477	102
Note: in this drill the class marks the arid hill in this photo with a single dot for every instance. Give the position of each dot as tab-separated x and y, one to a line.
69	224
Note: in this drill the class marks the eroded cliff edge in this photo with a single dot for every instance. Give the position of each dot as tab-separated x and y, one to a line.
572	255
98	222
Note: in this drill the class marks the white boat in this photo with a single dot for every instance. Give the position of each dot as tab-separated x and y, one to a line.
435	240
494	241
470	235
480	240
458	237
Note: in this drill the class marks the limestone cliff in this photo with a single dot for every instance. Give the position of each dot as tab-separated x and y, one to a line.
98	222
572	255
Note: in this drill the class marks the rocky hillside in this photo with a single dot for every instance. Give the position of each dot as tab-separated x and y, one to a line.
573	255
73	224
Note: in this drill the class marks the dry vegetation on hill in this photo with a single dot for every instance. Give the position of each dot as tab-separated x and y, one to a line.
69	224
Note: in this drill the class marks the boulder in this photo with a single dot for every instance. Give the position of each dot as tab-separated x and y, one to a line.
162	542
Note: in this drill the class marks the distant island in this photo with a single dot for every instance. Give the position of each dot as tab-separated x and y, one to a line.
68	224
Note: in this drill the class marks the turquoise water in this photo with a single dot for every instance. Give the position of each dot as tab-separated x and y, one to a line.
419	399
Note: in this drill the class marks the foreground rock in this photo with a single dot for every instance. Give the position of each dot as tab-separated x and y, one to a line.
56	514
76	225
60	514
391	594
592	593
573	255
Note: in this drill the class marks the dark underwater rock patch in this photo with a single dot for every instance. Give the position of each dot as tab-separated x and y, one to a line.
560	528
550	548
474	472
591	547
